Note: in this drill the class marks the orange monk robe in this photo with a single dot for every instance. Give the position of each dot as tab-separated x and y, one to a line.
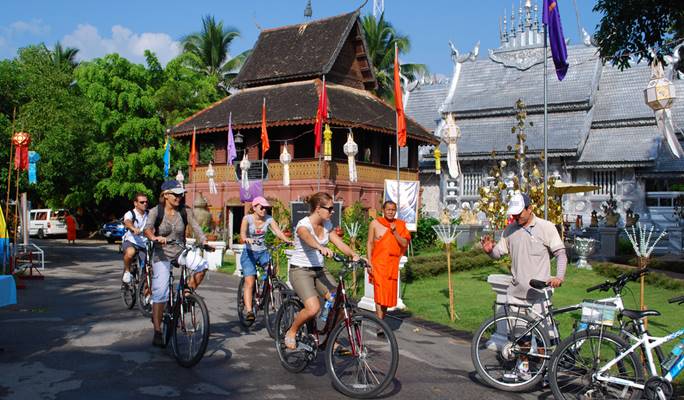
385	261
71	227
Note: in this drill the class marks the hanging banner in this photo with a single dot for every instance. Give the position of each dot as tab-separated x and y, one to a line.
33	158
254	190
407	210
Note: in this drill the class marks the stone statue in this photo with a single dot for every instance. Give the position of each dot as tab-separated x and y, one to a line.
468	217
594	219
201	212
631	218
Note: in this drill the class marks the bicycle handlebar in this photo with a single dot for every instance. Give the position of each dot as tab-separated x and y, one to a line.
348	262
678	299
185	245
619	283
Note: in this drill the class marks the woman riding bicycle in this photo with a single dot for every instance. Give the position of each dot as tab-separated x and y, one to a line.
308	274
252	232
170	226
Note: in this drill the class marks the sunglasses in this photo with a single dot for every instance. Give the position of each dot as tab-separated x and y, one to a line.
142	202
176	195
330	209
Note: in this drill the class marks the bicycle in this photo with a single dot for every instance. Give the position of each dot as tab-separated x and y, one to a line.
185	322
268	294
129	291
599	363
144	292
511	351
361	353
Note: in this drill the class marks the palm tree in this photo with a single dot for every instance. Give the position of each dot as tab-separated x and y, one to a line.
212	46
63	55
381	37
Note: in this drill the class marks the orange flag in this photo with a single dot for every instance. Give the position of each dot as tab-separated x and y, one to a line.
264	134
193	152
401	121
321	115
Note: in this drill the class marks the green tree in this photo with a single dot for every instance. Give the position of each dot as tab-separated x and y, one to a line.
630	28
64	56
212	47
380	38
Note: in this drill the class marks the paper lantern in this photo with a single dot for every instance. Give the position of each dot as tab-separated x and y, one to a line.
660	95
438	161
285	159
327	143
351	149
244	167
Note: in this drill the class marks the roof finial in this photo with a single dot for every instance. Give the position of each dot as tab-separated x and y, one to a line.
513	19
528	14
520	17
536	16
505	28
308	11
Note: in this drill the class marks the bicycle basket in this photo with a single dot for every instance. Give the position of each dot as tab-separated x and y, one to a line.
598	313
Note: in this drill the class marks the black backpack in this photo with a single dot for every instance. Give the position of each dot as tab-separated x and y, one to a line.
135	218
160	216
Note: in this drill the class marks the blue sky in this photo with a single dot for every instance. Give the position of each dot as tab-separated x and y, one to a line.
129	27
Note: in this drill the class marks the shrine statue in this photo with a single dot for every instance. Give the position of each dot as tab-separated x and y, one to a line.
631	218
468	216
201	211
594	219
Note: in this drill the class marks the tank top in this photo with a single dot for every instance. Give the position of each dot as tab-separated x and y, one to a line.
258	234
305	255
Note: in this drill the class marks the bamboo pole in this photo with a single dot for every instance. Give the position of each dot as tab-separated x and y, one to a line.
643	263
9	166
452	314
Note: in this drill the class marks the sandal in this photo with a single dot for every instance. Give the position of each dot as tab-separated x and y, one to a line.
290	342
342	351
250	317
187	292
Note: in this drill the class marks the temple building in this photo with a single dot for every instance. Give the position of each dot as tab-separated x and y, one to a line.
600	130
285	70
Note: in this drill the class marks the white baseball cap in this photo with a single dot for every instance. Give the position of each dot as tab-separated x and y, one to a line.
517	203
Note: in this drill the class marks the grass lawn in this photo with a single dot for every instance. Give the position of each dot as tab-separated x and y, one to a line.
428	298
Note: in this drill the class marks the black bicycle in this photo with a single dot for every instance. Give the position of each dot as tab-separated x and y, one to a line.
268	294
129	291
144	291
185	322
361	353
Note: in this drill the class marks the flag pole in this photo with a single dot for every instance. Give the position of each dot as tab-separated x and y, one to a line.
320	147
546	127
262	154
396	124
9	166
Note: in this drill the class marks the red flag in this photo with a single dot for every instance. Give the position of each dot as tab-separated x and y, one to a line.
193	152
321	116
264	134
401	121
21	161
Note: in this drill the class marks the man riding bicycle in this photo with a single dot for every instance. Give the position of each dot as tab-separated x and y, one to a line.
308	274
134	240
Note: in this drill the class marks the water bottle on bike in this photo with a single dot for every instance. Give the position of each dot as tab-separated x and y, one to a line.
327	307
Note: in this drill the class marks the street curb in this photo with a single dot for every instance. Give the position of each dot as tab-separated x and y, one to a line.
433	326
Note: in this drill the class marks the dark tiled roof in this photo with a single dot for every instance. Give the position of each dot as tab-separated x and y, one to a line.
488	85
479	136
295	104
296	52
423	104
633	144
620	94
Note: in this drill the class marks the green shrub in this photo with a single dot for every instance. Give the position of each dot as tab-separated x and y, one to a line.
424	266
611	271
424	237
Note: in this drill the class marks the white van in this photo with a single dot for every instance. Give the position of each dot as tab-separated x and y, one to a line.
47	222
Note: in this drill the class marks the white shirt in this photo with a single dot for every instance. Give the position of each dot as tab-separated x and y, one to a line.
139	223
305	255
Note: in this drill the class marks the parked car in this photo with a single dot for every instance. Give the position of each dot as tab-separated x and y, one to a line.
47	222
113	231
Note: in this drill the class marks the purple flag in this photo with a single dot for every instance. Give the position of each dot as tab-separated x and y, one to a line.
256	189
551	18
231	153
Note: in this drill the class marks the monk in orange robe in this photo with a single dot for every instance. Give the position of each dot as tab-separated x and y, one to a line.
71	229
388	239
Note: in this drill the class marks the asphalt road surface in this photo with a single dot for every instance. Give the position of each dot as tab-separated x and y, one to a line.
70	337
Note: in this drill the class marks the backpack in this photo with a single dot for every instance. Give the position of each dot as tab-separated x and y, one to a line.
160	216
135	218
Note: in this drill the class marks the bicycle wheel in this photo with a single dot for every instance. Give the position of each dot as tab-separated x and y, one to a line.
293	360
241	303
362	358
144	297
510	353
272	304
191	334
128	294
581	355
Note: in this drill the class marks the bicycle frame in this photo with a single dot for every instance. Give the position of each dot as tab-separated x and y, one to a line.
649	343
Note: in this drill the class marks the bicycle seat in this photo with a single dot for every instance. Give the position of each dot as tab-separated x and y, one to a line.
638	314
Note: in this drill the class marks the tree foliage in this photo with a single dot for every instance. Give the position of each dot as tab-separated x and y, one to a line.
380	38
630	28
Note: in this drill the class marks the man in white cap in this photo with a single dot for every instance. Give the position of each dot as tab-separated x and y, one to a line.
529	241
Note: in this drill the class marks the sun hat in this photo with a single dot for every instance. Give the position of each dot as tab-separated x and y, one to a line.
517	203
172	186
260	200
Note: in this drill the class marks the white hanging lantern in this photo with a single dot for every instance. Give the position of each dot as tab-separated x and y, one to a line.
212	184
285	159
180	178
660	95
244	167
351	149
450	137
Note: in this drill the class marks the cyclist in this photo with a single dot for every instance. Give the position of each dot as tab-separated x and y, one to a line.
134	240
252	232
308	274
166	222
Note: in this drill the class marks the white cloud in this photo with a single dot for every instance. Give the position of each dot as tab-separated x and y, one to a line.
128	44
34	27
12	35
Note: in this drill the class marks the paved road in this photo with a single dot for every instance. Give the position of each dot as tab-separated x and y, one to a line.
70	337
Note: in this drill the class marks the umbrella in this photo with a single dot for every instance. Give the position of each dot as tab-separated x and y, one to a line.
560	188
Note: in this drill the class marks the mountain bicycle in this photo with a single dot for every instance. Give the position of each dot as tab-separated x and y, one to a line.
600	364
361	353
268	294
129	291
511	350
185	322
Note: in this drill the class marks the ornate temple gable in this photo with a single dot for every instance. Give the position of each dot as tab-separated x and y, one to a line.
333	46
522	46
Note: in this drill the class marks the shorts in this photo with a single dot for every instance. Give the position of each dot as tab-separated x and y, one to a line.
309	282
249	259
161	272
126	244
539	306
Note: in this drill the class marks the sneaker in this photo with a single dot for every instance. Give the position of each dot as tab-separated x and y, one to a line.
157	340
523	371
126	277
